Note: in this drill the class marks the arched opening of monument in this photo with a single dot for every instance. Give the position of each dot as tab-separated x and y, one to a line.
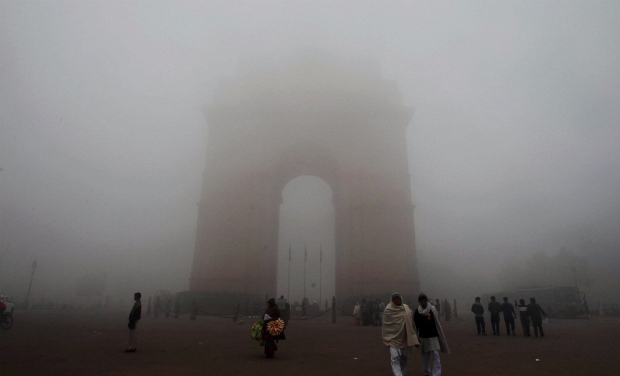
307	229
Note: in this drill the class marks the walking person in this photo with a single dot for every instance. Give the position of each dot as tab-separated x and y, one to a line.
494	309
432	339
535	310
134	316
398	334
478	310
524	316
509	316
272	313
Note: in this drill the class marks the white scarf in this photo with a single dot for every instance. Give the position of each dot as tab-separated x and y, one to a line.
442	338
397	329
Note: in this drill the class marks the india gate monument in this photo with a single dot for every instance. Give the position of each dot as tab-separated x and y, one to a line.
312	118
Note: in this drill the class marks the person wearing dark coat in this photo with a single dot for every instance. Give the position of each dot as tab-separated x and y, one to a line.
478	310
494	309
365	313
509	316
272	313
535	311
134	316
524	316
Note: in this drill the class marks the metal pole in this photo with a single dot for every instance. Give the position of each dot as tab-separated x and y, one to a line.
320	276
305	257
288	292
34	266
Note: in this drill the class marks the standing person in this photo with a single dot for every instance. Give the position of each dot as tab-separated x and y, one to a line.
509	316
364	309
304	307
524	316
134	316
478	310
272	313
535	310
438	308
494	309
372	309
357	314
282	306
432	339
381	311
398	333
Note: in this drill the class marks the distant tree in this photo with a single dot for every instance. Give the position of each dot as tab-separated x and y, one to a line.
562	269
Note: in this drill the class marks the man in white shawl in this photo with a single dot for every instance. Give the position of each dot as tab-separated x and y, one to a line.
398	333
431	335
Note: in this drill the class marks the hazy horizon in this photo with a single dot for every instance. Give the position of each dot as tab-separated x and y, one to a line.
512	149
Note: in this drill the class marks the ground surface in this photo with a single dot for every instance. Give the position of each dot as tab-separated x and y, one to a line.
80	343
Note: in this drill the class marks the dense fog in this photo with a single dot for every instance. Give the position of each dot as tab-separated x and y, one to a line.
512	149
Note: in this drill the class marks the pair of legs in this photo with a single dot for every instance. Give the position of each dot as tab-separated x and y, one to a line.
538	327
399	360
510	323
495	323
271	345
480	324
132	339
525	323
436	371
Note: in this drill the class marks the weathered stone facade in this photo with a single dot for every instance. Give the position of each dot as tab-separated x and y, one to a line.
265	129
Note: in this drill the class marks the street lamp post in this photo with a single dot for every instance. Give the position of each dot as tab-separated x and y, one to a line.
34	266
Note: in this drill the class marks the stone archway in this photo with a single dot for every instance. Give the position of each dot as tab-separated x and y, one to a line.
347	128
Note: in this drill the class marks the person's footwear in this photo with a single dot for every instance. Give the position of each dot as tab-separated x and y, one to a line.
130	350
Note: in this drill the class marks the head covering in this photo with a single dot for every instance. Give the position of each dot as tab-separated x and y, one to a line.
422	296
532	300
443	344
396	294
397	330
271	302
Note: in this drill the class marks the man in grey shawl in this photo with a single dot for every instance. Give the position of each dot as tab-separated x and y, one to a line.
398	334
431	335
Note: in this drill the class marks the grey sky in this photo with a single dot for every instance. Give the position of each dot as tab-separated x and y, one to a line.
515	134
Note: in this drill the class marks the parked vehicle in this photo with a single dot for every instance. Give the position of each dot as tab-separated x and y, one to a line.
10	306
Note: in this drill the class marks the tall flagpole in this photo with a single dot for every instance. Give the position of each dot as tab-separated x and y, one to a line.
288	292
305	259
320	275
